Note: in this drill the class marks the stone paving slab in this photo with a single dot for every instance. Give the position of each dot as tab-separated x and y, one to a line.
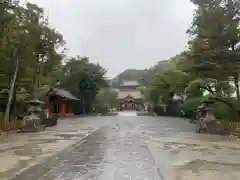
23	150
107	154
47	166
65	163
141	148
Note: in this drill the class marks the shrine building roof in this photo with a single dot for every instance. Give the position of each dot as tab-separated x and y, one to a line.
62	93
130	83
133	94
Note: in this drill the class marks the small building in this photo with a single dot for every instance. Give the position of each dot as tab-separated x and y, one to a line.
60	102
129	96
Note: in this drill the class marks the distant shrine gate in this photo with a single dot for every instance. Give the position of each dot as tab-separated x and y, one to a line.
129	96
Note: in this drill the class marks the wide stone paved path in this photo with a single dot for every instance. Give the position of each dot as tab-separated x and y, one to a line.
141	148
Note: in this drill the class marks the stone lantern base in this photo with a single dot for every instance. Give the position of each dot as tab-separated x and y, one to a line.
32	121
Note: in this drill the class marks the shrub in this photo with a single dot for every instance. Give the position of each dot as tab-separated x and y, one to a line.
173	109
224	111
189	107
159	110
221	110
101	108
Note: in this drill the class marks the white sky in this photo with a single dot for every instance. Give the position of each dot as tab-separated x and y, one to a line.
121	34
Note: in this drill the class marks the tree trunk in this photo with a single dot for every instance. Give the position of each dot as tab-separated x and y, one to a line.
36	78
35	83
236	83
41	65
83	104
14	100
10	94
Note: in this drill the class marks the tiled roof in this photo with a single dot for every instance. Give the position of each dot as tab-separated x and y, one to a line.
134	94
63	93
130	83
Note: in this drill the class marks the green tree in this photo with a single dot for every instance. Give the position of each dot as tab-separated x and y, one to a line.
84	80
26	37
106	98
213	52
210	65
166	85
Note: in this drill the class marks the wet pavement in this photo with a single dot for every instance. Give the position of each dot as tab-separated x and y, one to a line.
127	113
19	151
125	148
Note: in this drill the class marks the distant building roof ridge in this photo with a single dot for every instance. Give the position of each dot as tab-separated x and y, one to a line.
134	94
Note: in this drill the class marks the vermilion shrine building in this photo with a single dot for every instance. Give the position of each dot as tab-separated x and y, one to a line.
129	96
60	102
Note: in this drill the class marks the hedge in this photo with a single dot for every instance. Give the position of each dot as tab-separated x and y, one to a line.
221	110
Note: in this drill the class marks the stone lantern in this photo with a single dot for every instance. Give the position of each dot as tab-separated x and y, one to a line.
32	121
206	117
209	115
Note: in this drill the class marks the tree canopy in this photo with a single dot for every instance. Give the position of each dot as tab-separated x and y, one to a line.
35	52
209	67
84	80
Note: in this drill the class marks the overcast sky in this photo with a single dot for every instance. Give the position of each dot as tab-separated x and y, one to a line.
121	34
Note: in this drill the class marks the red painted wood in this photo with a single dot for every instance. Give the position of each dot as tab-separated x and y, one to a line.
63	104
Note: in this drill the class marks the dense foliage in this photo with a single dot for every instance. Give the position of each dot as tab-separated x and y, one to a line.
209	68
106	99
84	80
32	54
